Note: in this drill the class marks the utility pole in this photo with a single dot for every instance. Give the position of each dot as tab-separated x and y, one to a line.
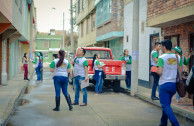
63	30
72	39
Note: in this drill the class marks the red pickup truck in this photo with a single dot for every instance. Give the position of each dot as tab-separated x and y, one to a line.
114	69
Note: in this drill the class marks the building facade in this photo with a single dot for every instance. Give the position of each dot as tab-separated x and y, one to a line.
176	19
86	21
13	34
110	25
48	44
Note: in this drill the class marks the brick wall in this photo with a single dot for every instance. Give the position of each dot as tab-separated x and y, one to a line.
184	30
158	7
116	23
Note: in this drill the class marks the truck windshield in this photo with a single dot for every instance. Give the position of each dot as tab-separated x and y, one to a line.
103	54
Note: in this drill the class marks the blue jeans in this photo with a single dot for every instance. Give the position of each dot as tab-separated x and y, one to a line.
38	72
166	92
60	82
77	86
128	79
155	83
99	80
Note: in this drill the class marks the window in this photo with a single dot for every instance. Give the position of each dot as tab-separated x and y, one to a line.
99	13
106	10
82	29
174	39
78	6
87	25
103	11
93	22
45	44
82	4
103	54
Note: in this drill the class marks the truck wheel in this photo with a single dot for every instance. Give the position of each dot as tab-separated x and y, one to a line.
107	83
116	86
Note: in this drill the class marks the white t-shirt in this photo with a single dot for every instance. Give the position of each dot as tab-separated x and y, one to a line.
128	66
62	70
168	62
96	63
79	66
154	54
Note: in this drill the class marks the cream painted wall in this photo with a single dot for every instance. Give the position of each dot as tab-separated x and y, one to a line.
144	42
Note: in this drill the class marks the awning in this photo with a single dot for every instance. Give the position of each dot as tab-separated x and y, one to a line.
25	42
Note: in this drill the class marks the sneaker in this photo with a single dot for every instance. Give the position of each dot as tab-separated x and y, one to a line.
101	92
96	93
154	98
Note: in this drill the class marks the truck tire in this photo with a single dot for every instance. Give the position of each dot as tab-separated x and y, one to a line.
116	86
107	83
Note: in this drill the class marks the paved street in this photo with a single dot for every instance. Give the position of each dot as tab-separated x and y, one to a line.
114	109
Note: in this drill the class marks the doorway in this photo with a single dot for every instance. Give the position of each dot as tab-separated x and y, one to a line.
153	38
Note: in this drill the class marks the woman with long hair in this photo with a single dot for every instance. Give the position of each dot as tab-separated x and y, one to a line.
97	66
61	67
128	59
25	61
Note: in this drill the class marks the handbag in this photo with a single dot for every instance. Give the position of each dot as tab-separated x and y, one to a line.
154	69
180	84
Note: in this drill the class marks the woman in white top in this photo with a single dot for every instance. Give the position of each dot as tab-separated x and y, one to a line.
61	67
97	66
25	61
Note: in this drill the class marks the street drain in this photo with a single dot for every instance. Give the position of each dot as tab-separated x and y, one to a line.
23	102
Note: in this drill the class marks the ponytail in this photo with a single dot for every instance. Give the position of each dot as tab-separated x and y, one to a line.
94	58
62	56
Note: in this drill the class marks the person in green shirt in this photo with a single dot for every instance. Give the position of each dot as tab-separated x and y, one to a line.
41	70
61	67
36	62
185	61
128	59
97	66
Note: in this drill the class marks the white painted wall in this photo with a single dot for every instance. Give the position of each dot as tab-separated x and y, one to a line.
144	41
128	23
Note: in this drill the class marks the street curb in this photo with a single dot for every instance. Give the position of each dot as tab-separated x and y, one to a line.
15	104
182	112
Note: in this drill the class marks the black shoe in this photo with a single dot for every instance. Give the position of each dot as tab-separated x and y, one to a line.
68	99
57	100
154	98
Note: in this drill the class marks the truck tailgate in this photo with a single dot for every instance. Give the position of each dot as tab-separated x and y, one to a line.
112	67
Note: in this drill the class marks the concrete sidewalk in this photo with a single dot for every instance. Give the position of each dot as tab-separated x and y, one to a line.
184	109
10	95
